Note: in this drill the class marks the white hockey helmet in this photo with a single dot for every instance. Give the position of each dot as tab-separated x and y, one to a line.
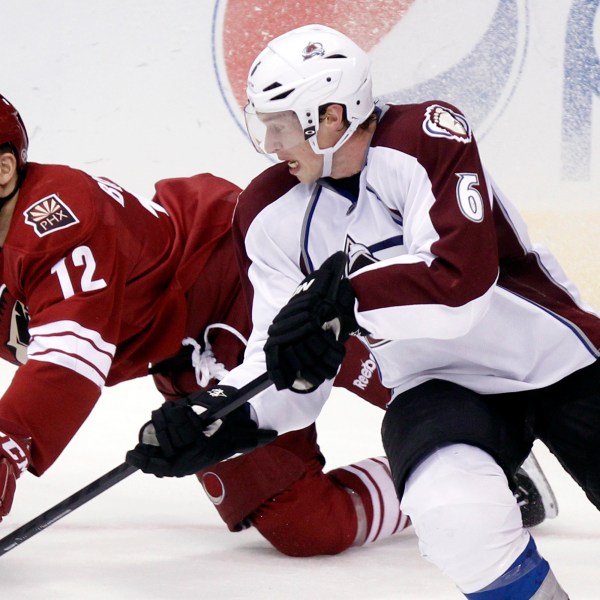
300	71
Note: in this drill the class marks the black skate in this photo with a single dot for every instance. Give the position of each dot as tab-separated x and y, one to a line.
534	494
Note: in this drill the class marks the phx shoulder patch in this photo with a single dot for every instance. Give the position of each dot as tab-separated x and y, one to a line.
49	214
441	122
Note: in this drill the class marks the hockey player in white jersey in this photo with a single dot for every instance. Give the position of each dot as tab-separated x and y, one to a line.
381	222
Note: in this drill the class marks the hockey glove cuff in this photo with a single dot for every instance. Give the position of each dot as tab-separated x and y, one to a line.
306	339
178	441
15	458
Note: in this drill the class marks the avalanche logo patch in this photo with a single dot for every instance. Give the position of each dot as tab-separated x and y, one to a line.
359	255
49	214
313	49
441	122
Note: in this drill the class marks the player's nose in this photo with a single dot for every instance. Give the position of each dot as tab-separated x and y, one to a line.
272	143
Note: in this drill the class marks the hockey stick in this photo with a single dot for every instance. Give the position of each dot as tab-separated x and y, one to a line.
217	410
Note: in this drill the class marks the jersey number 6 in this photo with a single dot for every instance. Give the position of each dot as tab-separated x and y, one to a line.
468	196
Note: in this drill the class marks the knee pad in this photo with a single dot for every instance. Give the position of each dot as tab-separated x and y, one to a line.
465	516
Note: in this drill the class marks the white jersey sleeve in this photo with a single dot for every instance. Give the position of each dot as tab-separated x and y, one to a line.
273	271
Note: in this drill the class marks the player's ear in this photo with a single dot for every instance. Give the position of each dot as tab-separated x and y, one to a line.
8	167
334	117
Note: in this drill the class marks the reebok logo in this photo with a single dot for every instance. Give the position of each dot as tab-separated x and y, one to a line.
368	367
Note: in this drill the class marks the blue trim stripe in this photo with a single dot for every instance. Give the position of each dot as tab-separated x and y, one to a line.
570	325
520	581
396	217
311	211
397	240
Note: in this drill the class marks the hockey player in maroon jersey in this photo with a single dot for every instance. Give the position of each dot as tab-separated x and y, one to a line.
101	280
96	284
381	222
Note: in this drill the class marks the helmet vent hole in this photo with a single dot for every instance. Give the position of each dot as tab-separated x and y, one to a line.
282	95
274	85
254	69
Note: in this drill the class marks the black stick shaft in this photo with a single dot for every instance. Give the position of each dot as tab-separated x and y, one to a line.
217	410
223	406
62	509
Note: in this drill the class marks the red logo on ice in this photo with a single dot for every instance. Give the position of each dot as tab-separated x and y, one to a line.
247	27
414	63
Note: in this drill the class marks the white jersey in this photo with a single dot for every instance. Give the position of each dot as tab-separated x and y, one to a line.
447	281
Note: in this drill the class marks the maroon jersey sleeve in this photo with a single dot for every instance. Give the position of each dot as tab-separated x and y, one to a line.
359	375
428	156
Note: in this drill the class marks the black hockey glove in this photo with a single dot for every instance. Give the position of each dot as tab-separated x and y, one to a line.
306	339
177	441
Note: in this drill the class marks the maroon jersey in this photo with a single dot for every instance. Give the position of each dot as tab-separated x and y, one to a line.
103	278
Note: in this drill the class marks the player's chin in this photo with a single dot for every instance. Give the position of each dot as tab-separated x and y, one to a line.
304	173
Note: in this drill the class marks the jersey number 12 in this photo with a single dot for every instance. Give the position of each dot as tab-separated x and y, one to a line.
81	257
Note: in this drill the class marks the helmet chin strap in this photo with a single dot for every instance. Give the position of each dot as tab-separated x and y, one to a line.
327	163
329	152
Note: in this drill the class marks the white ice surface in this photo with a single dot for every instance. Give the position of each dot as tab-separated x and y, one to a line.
151	539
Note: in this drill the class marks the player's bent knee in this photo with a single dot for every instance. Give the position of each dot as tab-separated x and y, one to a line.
295	539
466	517
313	517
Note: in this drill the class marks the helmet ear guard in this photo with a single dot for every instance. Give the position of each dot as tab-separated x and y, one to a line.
13	132
306	68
